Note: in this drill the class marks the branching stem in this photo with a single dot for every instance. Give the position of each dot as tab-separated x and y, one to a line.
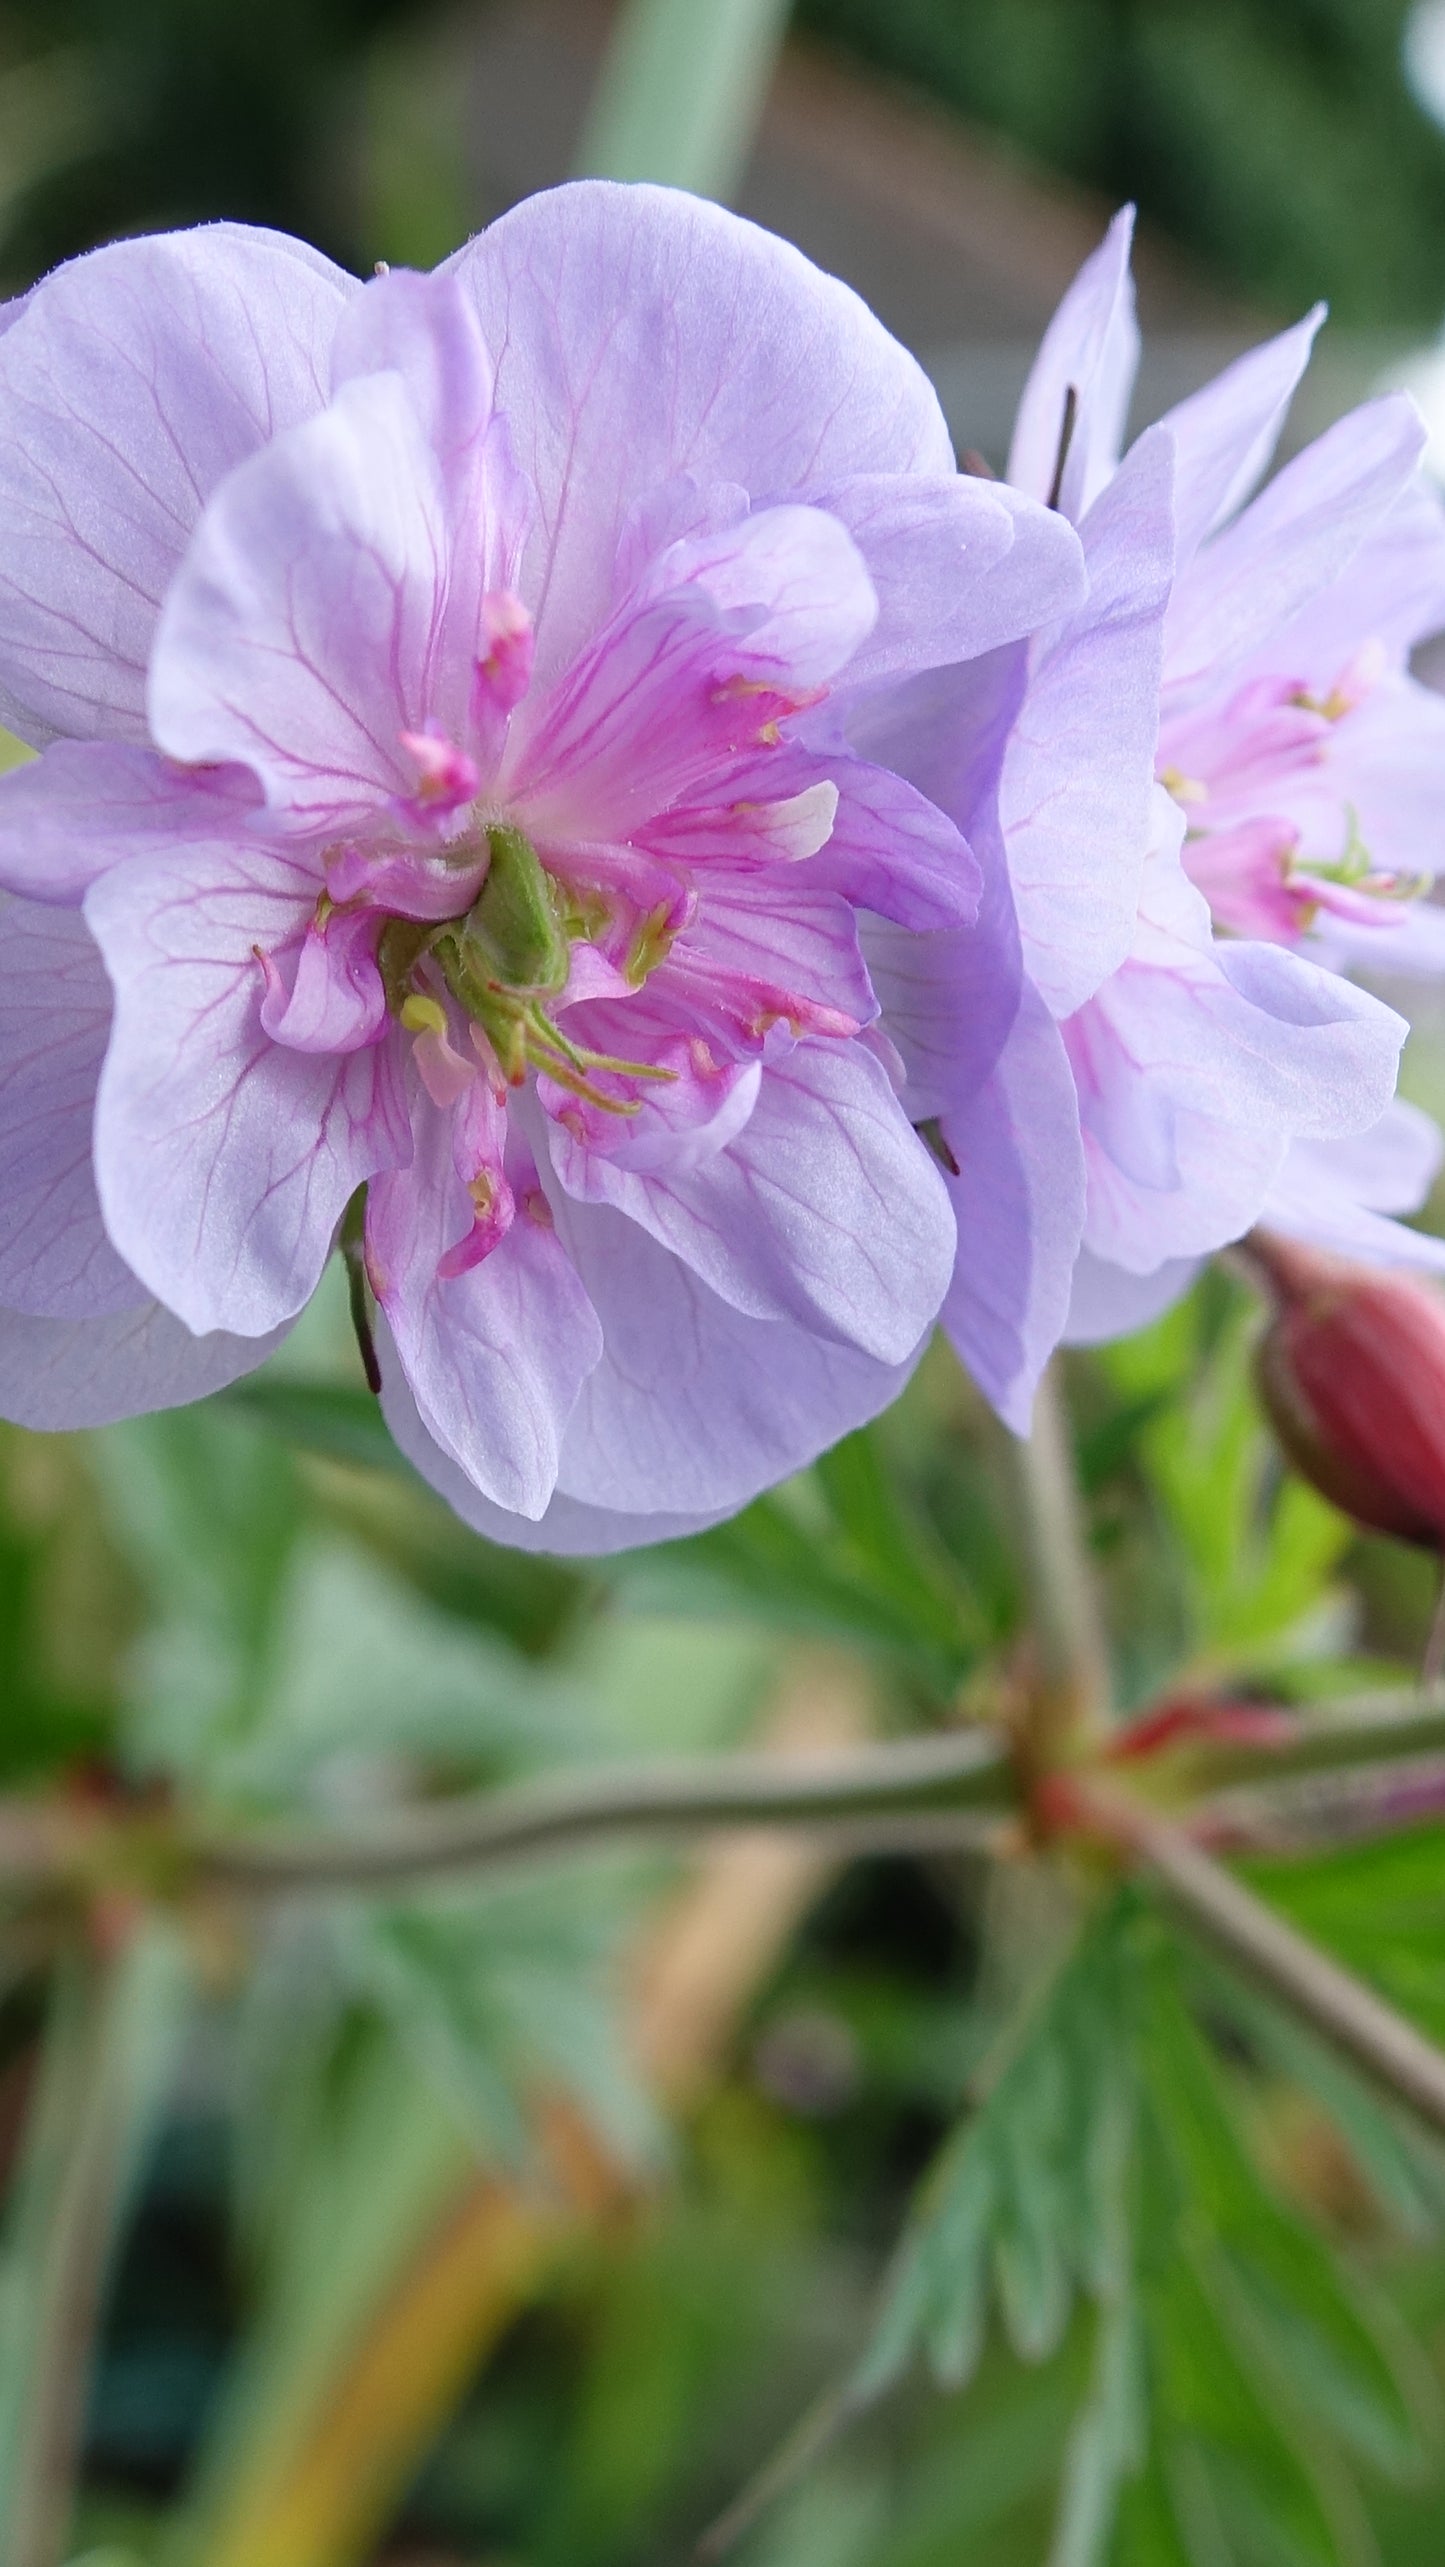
1273	1955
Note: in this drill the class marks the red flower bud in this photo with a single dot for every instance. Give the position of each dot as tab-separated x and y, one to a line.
1352	1372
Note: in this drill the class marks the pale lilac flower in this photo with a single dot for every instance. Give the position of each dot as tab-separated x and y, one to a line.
444	682
1159	1087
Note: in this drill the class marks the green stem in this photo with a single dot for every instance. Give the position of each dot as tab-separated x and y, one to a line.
916	1780
1271	1954
1073	1664
99	2078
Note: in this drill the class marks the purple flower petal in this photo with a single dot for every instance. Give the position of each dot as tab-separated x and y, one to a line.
301	634
1107	1301
134	381
640	334
1090	352
567	1527
826	1210
55	1259
224	1161
1076	791
1292	540
60	1374
959	566
496	1356
1225	434
1019	1202
695	1406
67	816
725	635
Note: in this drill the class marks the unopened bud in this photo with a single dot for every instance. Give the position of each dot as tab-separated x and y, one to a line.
1352	1372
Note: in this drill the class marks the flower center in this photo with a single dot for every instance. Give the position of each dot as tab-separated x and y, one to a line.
501	960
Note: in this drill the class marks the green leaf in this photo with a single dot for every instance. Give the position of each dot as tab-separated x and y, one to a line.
1009	2214
1293	2297
338	1421
1380	1906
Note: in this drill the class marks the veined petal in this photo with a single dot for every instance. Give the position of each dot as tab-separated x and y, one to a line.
827	1210
695	1406
1225	434
760	949
67	816
55	1259
960	566
134	381
225	1161
1197	1065
725	636
1077	792
1107	1301
949	1000
1019	1202
494	1356
60	1374
1339	1194
1291	541
1090	351
889	850
425	329
640	333
301	635
566	1527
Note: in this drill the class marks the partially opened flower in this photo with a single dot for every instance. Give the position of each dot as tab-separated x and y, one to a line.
452	670
1153	1083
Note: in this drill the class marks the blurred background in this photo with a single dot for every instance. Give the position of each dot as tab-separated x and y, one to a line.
509	2229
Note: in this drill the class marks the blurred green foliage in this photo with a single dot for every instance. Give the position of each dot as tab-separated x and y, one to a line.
1275	139
1178	2273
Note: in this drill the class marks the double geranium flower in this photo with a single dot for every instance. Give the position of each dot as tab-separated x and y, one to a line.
1198	796
551	780
444	794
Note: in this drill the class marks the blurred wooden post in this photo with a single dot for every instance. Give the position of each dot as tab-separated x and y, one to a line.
681	92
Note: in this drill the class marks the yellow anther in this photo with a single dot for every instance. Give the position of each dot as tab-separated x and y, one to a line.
423	1015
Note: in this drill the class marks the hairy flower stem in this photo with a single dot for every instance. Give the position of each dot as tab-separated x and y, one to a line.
93	2093
1071	1691
1270	1954
918	1780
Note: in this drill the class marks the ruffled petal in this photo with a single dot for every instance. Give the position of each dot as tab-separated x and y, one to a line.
960	567
567	1527
826	1210
1291	541
134	381
67	816
55	1259
496	1355
695	1406
1090	354
1197	1064
1076	795
1019	1202
224	1161
725	636
302	634
641	334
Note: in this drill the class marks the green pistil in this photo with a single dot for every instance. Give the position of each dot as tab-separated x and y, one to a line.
501	962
